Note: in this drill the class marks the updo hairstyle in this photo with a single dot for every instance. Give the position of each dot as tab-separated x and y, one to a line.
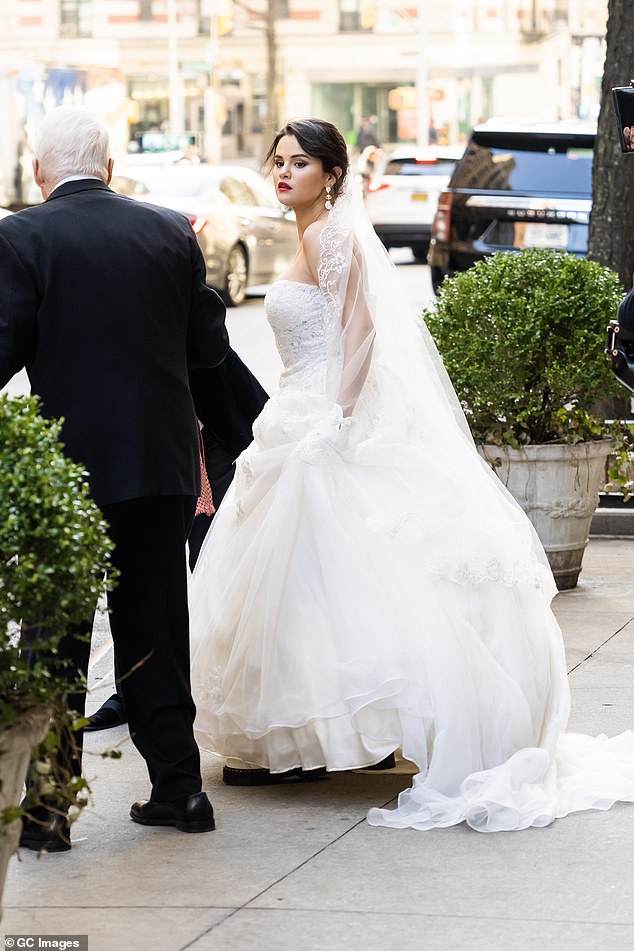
319	139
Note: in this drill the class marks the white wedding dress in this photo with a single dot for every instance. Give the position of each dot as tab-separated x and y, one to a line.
372	586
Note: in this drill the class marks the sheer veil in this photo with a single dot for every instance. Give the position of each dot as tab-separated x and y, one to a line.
456	523
360	283
392	388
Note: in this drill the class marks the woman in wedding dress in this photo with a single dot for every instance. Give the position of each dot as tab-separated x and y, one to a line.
368	583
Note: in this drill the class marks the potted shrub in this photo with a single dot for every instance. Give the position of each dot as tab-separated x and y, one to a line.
522	337
53	558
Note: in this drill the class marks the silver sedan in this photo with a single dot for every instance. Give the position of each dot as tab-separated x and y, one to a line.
246	237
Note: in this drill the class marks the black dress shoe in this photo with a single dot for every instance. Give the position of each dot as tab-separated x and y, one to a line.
111	713
232	776
388	763
51	834
189	814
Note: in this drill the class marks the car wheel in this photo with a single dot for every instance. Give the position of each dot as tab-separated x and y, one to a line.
235	288
437	277
420	252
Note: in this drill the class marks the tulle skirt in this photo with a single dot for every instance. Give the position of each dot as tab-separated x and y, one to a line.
352	600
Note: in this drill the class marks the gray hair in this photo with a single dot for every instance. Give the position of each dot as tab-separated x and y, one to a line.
72	141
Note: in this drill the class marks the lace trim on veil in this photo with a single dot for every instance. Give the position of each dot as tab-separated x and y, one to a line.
333	261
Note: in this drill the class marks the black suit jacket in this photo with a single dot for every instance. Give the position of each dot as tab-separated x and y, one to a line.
228	399
103	299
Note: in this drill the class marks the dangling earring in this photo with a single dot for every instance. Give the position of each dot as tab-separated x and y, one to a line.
328	201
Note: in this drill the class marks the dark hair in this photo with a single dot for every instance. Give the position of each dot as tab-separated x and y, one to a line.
319	139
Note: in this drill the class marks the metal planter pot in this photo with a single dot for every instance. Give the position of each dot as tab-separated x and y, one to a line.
558	488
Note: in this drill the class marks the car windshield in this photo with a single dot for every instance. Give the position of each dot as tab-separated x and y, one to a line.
128	186
558	168
413	166
237	191
526	163
181	181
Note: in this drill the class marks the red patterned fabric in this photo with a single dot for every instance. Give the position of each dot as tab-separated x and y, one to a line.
205	503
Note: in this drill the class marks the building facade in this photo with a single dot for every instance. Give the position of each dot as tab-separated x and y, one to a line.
224	70
345	59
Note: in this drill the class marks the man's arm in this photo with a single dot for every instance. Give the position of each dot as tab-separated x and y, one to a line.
207	338
18	310
227	400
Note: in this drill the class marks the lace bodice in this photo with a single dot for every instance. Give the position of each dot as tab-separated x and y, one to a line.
305	339
308	339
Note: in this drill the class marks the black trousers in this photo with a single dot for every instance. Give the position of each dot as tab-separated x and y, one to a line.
149	621
220	469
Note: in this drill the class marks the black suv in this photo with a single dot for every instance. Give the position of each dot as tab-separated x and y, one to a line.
515	187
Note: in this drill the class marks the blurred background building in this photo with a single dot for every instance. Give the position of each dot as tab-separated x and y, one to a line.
219	75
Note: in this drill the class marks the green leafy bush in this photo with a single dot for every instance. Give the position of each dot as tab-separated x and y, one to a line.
522	337
53	557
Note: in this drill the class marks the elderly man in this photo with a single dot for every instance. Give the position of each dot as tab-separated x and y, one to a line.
104	301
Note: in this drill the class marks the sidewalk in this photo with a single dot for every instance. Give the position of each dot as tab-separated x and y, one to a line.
297	867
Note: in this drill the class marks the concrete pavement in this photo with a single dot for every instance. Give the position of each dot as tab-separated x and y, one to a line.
297	867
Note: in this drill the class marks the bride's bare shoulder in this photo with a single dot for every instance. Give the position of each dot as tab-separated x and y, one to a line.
312	235
311	246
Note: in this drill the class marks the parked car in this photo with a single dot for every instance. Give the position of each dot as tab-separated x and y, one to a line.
403	195
126	185
246	237
515	187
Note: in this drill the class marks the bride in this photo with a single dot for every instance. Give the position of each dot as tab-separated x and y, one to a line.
368	583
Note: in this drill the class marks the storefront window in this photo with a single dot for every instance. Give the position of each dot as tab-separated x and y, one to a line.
347	104
75	18
356	15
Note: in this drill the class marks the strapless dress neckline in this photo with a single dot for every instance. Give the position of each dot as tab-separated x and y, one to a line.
286	280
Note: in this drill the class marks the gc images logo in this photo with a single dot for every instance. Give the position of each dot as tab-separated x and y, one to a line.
40	942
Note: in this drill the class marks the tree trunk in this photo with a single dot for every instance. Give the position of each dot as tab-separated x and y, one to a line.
611	240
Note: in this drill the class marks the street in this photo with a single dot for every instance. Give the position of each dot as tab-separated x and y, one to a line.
252	337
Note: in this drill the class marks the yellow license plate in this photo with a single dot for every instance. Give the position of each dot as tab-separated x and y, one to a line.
419	196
